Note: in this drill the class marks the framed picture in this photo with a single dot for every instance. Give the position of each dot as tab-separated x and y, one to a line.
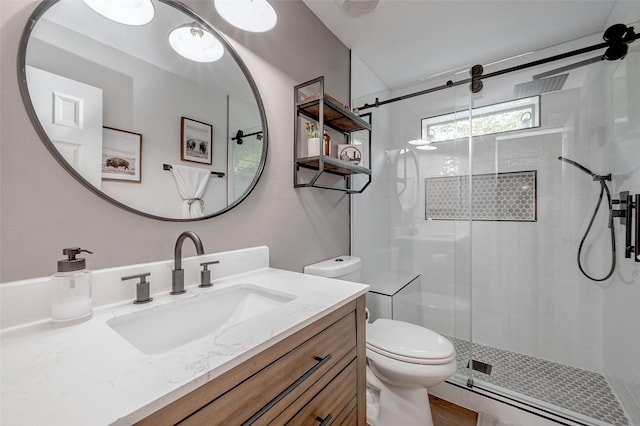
121	155
196	141
350	153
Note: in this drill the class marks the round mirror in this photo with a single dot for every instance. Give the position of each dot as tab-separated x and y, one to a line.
162	118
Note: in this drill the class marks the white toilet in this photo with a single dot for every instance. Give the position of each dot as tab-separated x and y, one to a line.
403	359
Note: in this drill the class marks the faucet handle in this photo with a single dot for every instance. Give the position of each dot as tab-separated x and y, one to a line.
142	288
205	274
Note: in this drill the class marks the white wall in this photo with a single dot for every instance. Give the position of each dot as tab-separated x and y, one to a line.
43	209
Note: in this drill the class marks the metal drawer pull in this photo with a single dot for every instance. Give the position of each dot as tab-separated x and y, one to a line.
325	421
289	389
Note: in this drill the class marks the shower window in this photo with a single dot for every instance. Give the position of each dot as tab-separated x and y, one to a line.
498	118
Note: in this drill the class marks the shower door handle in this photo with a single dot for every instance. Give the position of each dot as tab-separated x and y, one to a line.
632	224
636	224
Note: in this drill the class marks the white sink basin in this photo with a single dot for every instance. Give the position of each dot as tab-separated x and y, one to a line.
166	327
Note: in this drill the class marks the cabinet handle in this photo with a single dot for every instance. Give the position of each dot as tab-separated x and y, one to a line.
288	389
325	421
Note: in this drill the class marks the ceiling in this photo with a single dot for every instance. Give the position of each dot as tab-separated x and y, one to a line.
405	41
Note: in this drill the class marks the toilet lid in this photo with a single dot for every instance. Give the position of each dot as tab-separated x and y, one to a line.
408	342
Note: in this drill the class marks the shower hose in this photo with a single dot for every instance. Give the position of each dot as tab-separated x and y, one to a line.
603	188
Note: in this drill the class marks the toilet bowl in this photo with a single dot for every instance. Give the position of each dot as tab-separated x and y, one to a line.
403	360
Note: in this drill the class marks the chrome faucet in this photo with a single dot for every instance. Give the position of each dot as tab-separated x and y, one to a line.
177	275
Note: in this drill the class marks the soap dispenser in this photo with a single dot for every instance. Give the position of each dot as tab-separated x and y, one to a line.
71	293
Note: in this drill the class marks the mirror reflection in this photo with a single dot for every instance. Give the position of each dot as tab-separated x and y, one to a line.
147	120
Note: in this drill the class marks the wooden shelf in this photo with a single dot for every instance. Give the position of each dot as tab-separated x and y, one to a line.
332	165
335	116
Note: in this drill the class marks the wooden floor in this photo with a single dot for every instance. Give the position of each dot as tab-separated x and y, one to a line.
445	413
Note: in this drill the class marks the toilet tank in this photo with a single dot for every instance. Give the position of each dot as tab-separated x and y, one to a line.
342	267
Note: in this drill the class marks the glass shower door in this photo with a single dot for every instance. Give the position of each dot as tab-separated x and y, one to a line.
538	321
416	248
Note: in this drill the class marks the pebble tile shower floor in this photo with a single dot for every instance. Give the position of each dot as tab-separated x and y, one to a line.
574	389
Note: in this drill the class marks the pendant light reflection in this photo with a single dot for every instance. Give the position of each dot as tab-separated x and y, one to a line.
195	43
425	144
256	16
128	12
422	145
426	147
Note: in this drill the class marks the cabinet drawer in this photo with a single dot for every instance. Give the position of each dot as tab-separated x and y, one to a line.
288	408
286	378
348	416
326	407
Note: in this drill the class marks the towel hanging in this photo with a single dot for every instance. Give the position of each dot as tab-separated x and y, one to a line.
192	183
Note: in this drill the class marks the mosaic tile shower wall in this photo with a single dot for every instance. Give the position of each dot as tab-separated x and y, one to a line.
496	197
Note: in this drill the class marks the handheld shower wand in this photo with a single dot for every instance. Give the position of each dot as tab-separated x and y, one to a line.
603	188
584	169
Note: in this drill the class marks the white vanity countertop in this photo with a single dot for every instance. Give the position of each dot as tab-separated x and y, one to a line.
87	374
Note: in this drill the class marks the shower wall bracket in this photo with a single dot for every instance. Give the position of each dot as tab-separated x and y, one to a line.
629	214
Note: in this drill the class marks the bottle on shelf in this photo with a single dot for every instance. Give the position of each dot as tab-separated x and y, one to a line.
327	143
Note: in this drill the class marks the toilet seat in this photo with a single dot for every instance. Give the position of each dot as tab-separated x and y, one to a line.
408	342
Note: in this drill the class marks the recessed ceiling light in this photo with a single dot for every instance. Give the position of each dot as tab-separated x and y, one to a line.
128	12
250	15
418	142
195	43
356	8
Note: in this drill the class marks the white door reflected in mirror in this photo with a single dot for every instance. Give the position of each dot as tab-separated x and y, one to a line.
71	114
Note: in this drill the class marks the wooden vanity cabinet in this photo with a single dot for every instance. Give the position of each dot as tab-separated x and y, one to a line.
316	376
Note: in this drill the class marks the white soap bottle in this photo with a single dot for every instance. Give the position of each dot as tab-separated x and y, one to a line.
71	292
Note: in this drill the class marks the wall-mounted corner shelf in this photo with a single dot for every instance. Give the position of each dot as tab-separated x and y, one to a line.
314	107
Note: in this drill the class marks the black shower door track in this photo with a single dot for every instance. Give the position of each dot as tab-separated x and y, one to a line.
477	70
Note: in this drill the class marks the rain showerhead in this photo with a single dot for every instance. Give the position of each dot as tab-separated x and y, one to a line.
540	85
617	38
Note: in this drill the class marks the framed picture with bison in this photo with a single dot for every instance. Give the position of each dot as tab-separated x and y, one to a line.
196	141
121	155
